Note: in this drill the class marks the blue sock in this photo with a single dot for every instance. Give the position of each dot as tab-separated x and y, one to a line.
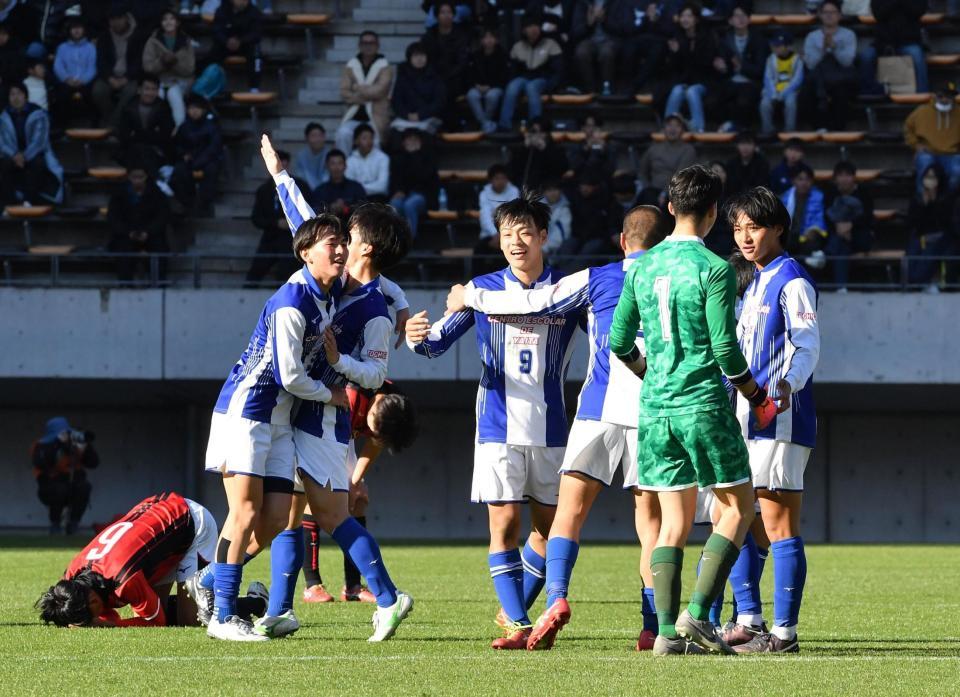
716	610
649	610
506	570
745	579
364	552
226	588
206	574
561	558
789	577
286	558
534	574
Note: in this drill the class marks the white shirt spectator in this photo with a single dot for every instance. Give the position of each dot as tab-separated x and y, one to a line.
371	170
489	200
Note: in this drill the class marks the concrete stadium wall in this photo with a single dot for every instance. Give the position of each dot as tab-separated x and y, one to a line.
875	338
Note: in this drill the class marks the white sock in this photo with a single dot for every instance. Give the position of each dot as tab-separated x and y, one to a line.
750	620
785	633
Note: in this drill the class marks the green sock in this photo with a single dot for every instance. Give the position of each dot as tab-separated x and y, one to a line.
719	555
666	563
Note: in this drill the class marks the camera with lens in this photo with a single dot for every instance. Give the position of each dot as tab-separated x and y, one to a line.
80	437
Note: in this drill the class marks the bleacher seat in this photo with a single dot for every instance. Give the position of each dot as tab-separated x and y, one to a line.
803	136
943	59
463	175
645	99
863	175
27	212
714	137
445	216
572	99
761	19
658	137
795	20
885	214
87	134
108	173
917	98
843	136
465	137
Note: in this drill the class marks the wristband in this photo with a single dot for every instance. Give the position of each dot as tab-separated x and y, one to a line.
758	397
741	379
632	356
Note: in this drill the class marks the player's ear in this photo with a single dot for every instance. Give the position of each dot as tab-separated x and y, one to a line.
623	242
670	209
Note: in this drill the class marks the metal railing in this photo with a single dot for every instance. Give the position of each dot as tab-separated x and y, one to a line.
425	270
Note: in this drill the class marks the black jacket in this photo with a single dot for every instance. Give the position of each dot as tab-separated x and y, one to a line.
861	224
157	133
243	25
594	218
562	20
202	140
349	190
936	216
741	177
267	209
13	63
622	19
449	55
898	22
531	167
107	54
693	63
416	171
127	212
23	21
488	70
754	59
420	92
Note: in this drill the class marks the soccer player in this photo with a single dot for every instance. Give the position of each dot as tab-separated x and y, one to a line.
521	415
603	438
386	419
134	561
779	333
684	295
251	438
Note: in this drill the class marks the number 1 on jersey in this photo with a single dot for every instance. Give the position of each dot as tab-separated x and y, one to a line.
661	286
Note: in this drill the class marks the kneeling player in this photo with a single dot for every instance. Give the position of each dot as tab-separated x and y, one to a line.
135	561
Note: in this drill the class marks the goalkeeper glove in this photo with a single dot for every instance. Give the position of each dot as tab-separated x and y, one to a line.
764	409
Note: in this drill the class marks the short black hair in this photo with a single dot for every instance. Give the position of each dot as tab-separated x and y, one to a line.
675	117
361	129
67	602
746	136
313	126
147	77
496	169
803	168
845	167
195	99
396	422
694	7
415	47
693	190
597	120
18	86
335	153
763	207
745	271
794	143
529	207
835	3
381	227
75	22
369	32
441	3
312	231
644	226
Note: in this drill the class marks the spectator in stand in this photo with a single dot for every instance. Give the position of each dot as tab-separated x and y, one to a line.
539	159
75	69
933	131
781	178
13	61
146	128
414	179
648	50
555	18
236	32
365	88
419	96
808	226
119	64
169	56
369	165
595	221
720	239
743	57
463	11
497	190
602	29
561	222
36	83
61	458
749	168
267	216
692	66
448	51
199	152
138	217
782	81
897	30
310	164
338	194
29	170
624	190
536	66
595	151
486	77
932	227
661	160
830	76
849	218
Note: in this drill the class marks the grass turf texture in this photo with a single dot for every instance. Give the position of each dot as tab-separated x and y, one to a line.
876	620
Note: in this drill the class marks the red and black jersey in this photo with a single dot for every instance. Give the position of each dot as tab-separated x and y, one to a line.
360	401
139	551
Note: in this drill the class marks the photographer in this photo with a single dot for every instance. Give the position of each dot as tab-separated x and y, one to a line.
60	459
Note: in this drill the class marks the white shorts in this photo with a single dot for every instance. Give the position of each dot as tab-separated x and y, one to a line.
204	546
243	446
598	449
515	473
322	461
777	465
706	503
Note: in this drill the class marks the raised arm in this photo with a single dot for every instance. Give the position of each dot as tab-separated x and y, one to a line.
295	206
434	340
569	293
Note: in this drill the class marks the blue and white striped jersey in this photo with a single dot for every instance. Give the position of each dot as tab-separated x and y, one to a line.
271	372
596	290
525	360
780	338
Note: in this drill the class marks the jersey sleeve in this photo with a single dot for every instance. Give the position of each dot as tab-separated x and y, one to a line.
143	600
721	303
289	325
799	302
626	318
569	293
394	294
295	206
370	370
444	333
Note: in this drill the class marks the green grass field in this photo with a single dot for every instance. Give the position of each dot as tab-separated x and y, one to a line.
877	620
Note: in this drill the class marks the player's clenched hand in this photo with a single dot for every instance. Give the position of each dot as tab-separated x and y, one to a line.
418	327
455	299
402	317
330	346
784	392
338	398
270	157
764	413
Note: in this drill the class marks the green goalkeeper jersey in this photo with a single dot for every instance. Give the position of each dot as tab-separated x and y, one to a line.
685	297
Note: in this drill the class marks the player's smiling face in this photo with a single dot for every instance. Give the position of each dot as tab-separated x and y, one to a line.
522	245
761	245
327	258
